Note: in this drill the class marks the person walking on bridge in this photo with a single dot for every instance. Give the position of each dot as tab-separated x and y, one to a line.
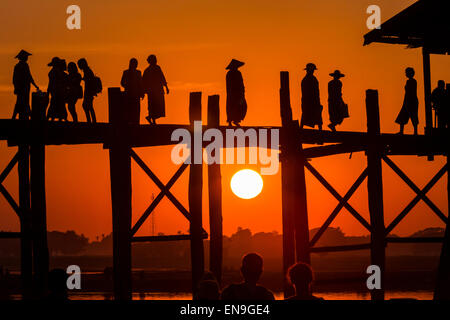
154	83
132	83
410	105
337	109
22	81
236	103
311	107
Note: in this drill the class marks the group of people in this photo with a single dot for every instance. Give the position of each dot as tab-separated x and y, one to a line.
64	88
300	275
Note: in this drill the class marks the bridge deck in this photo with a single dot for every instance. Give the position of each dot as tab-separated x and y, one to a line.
17	132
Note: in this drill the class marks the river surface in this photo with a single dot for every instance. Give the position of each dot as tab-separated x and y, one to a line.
420	295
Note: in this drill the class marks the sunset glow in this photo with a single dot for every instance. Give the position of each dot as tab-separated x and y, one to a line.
246	184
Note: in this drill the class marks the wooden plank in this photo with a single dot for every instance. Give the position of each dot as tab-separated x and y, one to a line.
120	173
195	197
9	167
10	235
215	199
351	247
375	190
287	192
324	151
427	91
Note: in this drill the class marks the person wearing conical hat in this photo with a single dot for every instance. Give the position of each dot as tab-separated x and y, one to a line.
337	109
236	103
57	86
311	107
22	81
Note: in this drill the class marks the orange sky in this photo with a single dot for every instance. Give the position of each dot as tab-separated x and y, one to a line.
194	40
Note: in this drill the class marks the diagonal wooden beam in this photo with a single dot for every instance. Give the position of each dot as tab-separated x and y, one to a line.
158	198
416	189
417	198
9	167
333	191
338	208
10	200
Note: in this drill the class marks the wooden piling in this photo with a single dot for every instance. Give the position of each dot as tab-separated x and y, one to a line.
120	171
293	188
442	289
26	247
375	189
427	91
195	195
215	199
38	200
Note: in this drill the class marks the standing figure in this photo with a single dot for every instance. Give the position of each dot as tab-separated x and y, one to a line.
311	107
236	103
132	83
439	101
91	88
74	89
22	81
410	107
337	109
154	82
57	90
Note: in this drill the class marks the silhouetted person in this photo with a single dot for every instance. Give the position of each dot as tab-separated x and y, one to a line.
154	82
301	277
236	103
74	89
132	83
22	81
311	107
90	90
439	103
337	109
57	285
208	288
57	83
252	267
410	106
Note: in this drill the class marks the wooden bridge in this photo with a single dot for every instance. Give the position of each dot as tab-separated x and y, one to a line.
31	137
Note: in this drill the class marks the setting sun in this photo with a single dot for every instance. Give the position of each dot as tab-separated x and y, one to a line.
246	184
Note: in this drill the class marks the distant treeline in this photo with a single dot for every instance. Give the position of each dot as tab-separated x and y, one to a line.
177	254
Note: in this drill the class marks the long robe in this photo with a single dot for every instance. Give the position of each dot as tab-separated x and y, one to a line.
410	105
153	82
336	106
236	103
22	80
57	89
132	83
311	107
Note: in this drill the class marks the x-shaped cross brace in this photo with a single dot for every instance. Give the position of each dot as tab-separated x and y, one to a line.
3	190
343	201
165	191
421	194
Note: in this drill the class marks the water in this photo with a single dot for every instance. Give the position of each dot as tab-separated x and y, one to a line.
420	295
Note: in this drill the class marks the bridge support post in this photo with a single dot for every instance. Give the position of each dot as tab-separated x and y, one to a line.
195	192
442	290
215	199
293	188
120	171
26	247
375	189
38	199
